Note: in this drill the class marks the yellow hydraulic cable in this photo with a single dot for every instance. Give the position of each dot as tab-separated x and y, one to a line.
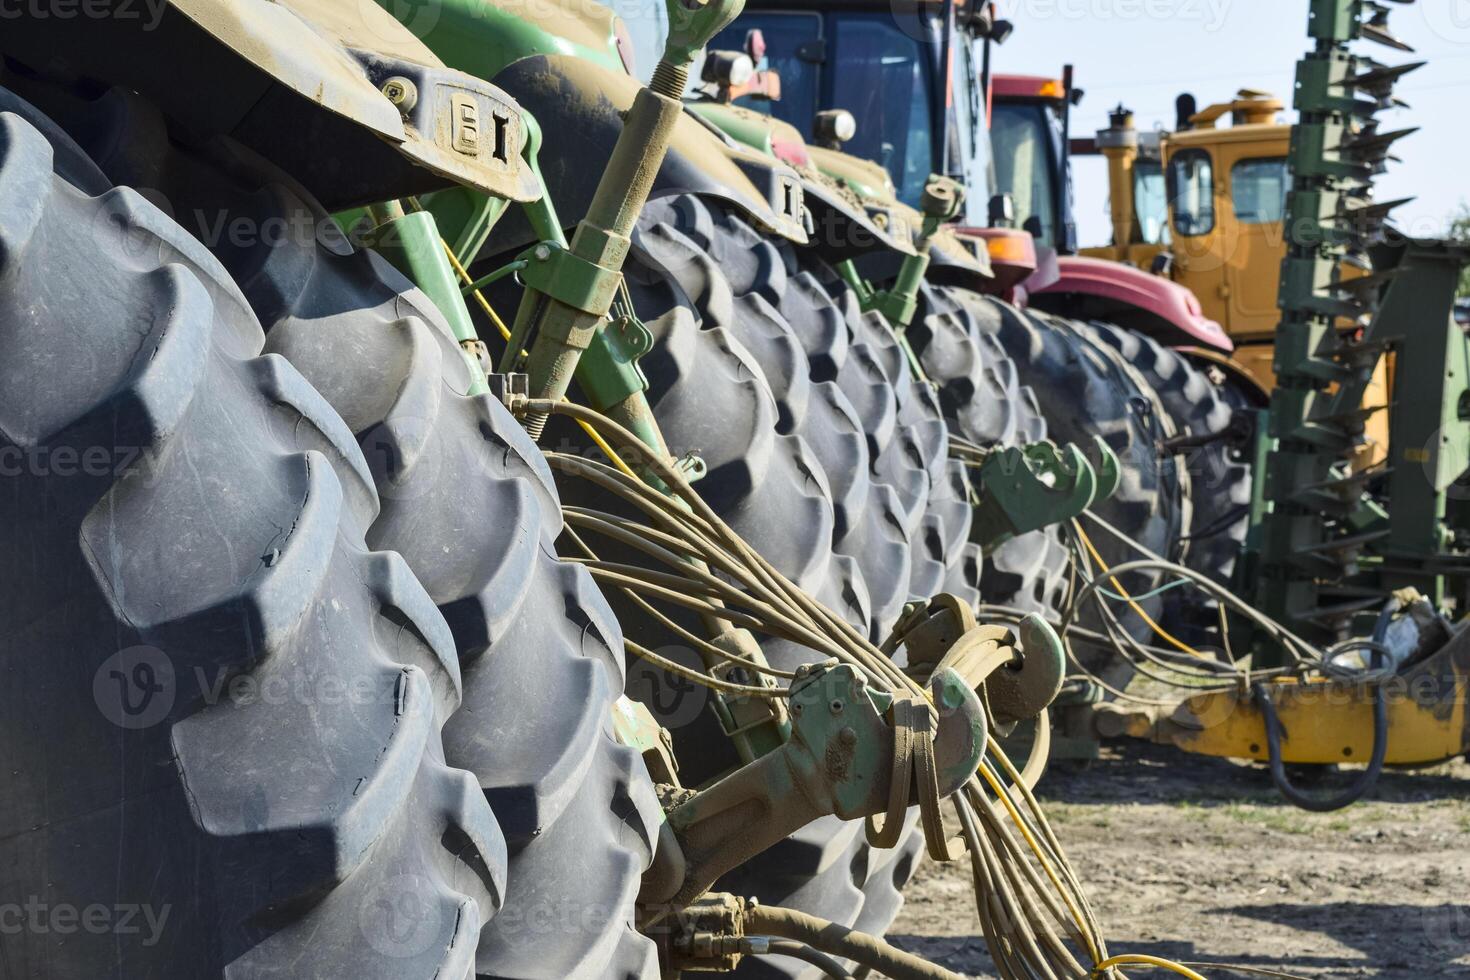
479	296
1163	634
1143	959
459	270
1077	918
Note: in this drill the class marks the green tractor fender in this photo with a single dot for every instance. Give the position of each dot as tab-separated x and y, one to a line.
847	220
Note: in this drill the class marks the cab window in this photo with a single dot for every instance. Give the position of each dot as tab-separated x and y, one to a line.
1258	190
1023	140
789	38
1192	189
1150	202
892	105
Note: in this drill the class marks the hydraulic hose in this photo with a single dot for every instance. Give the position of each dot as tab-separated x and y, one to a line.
1369	776
762	946
1350	794
840	941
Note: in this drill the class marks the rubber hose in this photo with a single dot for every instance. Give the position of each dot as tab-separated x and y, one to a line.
841	941
1352	793
803	952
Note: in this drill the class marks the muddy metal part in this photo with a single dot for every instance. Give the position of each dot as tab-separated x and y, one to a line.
372	113
1322	721
840	753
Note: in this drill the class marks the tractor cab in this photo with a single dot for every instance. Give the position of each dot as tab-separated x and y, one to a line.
1204	205
910	78
1028	138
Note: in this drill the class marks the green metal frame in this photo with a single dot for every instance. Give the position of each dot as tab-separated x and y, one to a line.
1324	553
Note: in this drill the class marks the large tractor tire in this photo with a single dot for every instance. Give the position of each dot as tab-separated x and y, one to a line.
1087	390
468	501
222	712
757	361
985	402
1219	476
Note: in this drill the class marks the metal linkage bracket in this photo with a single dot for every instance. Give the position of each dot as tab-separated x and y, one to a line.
1030	487
1016	673
566	277
941	202
836	762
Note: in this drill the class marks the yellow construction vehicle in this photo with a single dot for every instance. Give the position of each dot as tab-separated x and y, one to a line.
1203	206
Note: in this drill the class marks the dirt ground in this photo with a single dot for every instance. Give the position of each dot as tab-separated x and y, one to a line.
1198	859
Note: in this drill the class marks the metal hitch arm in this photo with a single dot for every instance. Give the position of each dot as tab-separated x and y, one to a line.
837	761
573	288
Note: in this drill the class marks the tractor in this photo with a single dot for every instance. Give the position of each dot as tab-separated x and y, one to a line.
358	629
1290	545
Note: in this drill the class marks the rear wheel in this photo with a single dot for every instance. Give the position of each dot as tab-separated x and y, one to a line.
985	402
222	716
1219	475
467	501
761	357
1087	390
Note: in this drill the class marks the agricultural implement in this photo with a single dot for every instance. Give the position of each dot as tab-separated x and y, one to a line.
360	629
1354	515
1195	314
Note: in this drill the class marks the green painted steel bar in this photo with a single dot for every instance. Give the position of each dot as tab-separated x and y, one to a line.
581	281
410	241
490	278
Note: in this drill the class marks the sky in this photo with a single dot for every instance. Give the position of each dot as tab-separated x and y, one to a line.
1145	52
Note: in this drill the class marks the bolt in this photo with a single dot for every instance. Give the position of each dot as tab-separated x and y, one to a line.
401	92
543	252
847	737
836	706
